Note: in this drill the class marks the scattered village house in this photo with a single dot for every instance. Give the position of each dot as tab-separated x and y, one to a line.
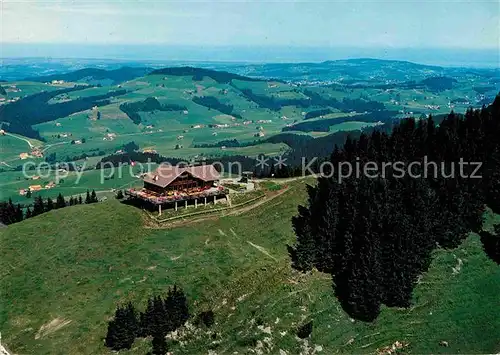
37	153
173	184
50	185
149	150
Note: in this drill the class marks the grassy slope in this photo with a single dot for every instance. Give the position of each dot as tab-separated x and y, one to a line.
79	262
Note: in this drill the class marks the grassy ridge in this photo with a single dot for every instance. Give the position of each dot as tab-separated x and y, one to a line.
76	264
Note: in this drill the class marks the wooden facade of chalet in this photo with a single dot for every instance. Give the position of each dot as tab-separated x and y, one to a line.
183	182
168	179
171	185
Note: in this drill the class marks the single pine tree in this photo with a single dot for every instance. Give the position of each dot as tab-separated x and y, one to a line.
38	206
93	197
146	320
19	213
60	202
50	205
28	213
305	330
122	330
176	308
159	345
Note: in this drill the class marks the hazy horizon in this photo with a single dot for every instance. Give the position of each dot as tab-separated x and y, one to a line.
486	58
442	32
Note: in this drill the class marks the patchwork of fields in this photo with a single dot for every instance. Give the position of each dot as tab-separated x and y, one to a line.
190	113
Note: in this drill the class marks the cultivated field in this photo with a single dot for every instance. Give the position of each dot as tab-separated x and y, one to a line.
191	113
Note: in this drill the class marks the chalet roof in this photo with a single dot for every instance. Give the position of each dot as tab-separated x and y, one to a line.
165	174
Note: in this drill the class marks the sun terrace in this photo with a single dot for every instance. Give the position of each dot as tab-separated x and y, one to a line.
173	185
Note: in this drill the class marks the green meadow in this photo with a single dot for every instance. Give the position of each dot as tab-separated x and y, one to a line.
90	258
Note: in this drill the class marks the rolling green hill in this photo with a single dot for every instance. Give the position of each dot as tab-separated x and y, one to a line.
185	112
94	75
63	273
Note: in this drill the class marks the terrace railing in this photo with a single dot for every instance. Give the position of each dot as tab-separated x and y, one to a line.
160	199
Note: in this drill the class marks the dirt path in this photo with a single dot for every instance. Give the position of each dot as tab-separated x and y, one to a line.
17	156
3	350
280	181
54	145
23	139
262	250
250	207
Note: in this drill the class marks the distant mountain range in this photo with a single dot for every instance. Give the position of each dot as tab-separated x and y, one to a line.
362	69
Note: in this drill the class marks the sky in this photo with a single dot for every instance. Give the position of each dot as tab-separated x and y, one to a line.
427	24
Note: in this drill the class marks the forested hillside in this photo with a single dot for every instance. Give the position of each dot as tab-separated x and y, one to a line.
22	114
115	76
375	234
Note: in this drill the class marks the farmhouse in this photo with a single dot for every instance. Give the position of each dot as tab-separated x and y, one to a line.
149	150
50	185
173	184
37	153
